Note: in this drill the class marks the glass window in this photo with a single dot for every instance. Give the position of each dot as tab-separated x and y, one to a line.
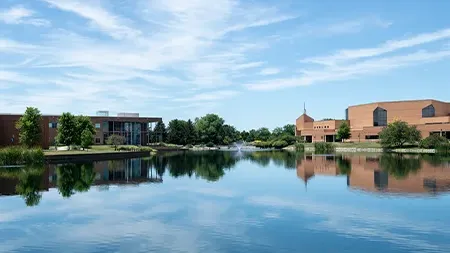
52	125
428	112
97	125
379	117
346	114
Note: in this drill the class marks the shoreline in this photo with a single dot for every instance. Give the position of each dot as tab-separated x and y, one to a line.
371	150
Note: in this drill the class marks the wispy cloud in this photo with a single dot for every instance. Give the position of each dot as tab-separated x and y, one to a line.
101	18
209	96
21	15
389	46
354	63
269	71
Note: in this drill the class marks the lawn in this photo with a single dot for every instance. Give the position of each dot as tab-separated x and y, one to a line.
351	145
94	149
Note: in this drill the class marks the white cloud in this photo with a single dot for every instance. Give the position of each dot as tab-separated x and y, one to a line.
269	71
209	96
106	22
389	46
21	15
348	71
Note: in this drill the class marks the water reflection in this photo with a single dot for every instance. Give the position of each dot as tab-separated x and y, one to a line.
387	173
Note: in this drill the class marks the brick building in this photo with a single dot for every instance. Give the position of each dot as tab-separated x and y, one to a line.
135	129
366	121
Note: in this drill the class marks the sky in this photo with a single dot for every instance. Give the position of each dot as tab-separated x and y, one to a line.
254	63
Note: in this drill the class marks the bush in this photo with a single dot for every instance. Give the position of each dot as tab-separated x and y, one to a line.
323	147
300	147
443	149
278	144
262	144
189	146
433	141
210	144
21	156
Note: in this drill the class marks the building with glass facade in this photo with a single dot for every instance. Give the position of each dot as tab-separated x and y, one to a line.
366	121
135	129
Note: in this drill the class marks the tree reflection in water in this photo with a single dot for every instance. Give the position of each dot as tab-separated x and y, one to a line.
400	166
29	182
73	178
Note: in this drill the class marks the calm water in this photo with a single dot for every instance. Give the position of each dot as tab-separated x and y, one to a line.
229	202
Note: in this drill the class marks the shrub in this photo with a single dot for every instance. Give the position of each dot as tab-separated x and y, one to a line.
433	141
21	156
189	146
262	144
399	133
443	149
210	144
300	147
278	144
323	147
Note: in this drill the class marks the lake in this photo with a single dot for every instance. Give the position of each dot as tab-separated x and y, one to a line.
223	201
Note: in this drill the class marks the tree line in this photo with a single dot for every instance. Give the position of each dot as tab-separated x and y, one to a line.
212	130
72	130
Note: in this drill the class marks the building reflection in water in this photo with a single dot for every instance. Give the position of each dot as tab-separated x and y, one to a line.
71	178
388	173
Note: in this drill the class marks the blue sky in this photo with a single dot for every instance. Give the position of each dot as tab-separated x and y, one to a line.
253	62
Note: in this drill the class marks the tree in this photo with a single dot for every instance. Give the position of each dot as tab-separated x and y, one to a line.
399	133
87	138
67	129
289	129
344	131
115	140
263	134
277	131
190	133
209	128
83	123
176	133
160	132
29	126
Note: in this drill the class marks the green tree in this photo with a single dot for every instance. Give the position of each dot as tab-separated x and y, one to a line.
160	132
115	140
67	129
229	134
190	133
83	123
399	133
87	139
244	135
289	129
176	132
263	134
251	135
29	126
277	131
209	128
344	131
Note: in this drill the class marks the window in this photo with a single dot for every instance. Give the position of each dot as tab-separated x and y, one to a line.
346	114
52	125
379	117
97	125
97	140
428	112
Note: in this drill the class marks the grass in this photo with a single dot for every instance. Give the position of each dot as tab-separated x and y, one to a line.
98	149
350	145
20	156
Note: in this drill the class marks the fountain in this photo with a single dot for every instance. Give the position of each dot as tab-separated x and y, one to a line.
239	145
